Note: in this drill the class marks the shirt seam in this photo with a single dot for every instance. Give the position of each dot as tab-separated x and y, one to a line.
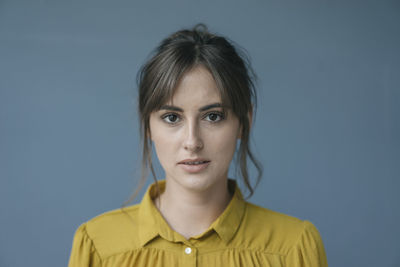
93	245
247	249
138	249
174	251
298	239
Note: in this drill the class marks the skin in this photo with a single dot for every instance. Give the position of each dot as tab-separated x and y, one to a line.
192	201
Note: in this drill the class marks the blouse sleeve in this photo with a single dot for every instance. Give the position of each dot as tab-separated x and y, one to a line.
309	250
83	253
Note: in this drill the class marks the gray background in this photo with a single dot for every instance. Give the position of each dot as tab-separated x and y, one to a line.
327	128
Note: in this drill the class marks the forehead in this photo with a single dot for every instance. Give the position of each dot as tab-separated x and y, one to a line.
196	88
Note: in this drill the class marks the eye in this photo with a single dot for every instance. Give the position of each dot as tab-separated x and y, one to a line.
170	118
214	116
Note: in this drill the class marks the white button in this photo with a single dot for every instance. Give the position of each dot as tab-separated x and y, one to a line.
188	250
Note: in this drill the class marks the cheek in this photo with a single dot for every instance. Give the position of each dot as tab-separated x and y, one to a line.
163	151
223	144
164	143
157	139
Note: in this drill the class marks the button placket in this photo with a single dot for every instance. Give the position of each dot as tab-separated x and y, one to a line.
189	257
188	250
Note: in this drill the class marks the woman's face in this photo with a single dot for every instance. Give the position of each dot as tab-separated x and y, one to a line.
194	139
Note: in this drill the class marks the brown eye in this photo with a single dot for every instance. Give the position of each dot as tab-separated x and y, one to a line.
171	118
214	117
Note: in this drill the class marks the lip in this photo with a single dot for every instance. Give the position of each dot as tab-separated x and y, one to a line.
192	160
194	168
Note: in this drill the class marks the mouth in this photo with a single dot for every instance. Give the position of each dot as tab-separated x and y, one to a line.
194	165
195	161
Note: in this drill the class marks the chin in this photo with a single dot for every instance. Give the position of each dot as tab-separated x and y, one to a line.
196	182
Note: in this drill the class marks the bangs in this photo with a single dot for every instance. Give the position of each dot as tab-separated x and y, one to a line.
168	82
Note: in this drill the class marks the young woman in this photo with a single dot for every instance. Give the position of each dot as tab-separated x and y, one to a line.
196	99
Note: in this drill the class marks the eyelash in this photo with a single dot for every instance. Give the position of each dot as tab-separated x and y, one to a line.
220	114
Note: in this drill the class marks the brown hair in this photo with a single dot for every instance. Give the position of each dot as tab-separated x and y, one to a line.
175	56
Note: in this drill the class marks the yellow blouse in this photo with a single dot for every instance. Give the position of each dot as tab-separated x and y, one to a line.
243	235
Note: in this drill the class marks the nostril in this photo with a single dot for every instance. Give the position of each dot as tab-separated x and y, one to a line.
193	144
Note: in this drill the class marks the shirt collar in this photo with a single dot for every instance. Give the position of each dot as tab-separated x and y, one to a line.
152	224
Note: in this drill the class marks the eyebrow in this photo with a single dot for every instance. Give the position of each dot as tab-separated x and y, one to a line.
207	107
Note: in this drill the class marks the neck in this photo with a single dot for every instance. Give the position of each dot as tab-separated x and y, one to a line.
191	213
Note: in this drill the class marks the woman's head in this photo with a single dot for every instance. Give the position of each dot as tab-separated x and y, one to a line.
181	53
195	135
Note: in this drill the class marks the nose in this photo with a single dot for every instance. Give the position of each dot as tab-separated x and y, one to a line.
192	141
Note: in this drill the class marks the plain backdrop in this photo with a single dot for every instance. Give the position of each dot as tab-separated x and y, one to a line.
327	126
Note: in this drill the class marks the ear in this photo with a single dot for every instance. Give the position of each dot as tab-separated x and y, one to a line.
148	132
250	118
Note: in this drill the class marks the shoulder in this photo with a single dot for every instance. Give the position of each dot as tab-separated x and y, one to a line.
256	213
112	232
272	232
